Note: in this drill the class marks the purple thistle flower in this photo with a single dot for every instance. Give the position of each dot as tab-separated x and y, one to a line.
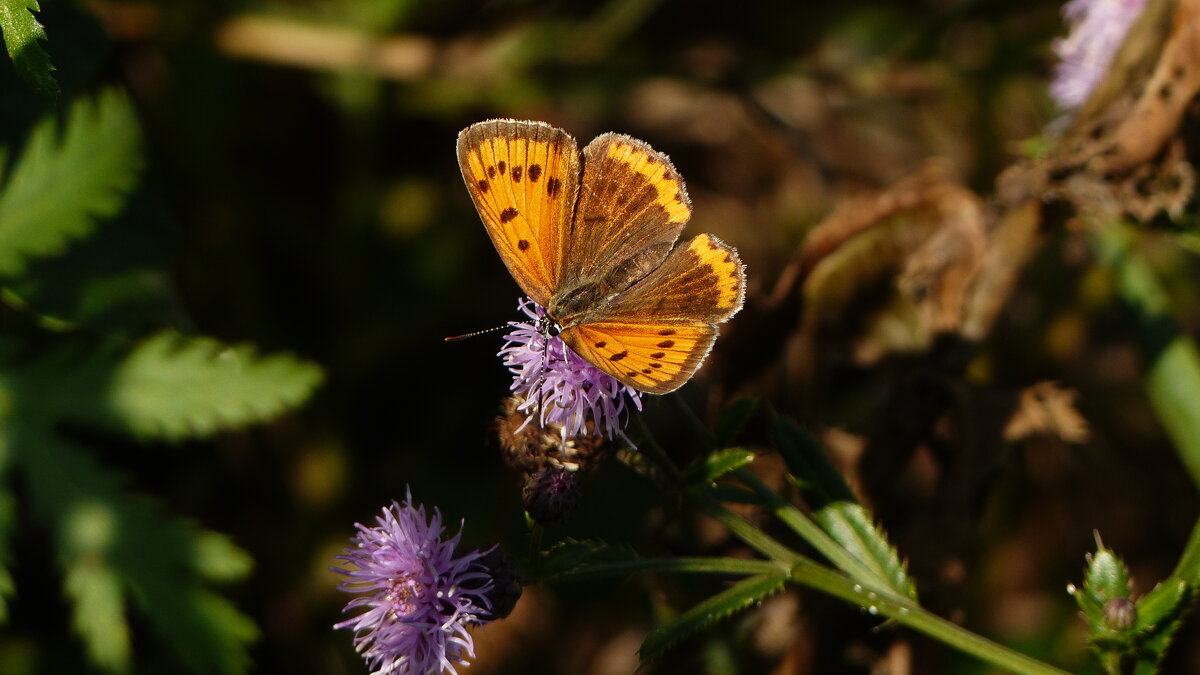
566	390
1097	29
421	595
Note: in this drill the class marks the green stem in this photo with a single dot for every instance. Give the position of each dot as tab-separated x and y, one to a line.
908	613
749	533
811	532
876	599
679	565
1173	370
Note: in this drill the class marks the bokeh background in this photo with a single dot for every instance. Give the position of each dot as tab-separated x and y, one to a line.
301	193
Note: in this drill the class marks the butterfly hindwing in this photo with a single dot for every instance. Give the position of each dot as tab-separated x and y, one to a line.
651	357
524	179
632	207
702	280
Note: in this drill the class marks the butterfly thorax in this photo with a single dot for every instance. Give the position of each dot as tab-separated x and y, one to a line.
574	304
570	307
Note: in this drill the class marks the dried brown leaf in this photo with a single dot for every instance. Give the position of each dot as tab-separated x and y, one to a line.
1047	408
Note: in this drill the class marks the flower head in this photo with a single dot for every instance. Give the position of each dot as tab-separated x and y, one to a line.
561	385
421	596
1097	29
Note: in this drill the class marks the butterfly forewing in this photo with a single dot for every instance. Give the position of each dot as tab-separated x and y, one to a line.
632	206
524	179
651	357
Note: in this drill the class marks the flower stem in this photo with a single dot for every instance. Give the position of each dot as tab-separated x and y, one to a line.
908	613
877	599
679	565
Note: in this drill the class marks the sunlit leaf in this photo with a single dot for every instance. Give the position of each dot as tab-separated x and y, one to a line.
175	387
22	32
715	464
167	386
62	183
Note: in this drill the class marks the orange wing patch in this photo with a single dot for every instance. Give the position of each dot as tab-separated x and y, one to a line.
523	177
726	274
670	192
651	357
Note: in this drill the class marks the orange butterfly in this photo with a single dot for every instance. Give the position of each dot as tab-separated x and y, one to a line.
590	239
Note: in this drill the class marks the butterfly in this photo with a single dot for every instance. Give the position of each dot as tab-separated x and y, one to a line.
591	238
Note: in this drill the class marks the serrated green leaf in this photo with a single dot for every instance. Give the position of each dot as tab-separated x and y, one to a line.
733	419
175	387
151	555
22	34
710	467
836	509
165	387
740	596
61	186
1162	603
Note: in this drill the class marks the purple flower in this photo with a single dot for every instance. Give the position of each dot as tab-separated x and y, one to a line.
420	595
564	389
1097	29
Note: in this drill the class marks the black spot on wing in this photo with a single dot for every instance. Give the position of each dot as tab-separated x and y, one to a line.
508	214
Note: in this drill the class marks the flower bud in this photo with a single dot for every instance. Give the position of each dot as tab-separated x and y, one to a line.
550	495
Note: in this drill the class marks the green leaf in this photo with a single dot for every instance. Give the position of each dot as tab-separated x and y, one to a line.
21	35
60	187
165	387
175	387
109	540
733	419
1162	603
98	611
710	467
743	594
837	510
219	559
1159	616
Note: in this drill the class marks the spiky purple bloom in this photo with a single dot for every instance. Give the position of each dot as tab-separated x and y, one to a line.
560	386
421	596
1097	28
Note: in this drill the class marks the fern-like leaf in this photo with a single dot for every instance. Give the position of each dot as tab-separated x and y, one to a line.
22	34
742	595
113	546
61	186
167	386
173	387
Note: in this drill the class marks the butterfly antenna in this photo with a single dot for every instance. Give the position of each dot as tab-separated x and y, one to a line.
456	338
